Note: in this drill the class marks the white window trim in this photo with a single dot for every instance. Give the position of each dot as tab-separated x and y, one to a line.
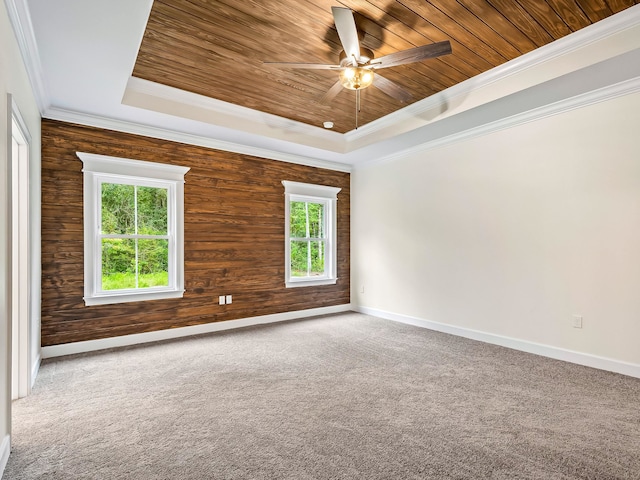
98	168
307	192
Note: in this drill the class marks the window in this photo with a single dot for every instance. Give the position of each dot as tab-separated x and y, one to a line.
310	234
133	230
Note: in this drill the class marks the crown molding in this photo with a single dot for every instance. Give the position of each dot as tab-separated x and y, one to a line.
625	87
175	136
596	32
155	96
20	19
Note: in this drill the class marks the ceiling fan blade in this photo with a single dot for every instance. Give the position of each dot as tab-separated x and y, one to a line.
348	32
412	55
392	89
332	92
311	66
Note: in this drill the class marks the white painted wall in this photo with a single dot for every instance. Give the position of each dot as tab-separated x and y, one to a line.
14	80
513	232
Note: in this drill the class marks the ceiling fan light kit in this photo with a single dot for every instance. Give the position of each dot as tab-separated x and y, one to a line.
356	78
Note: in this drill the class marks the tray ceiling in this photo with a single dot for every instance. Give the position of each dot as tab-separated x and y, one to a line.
217	48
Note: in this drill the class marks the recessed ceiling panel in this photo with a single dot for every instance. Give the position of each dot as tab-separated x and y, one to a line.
217	48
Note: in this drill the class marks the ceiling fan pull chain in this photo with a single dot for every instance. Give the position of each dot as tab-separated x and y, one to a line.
357	106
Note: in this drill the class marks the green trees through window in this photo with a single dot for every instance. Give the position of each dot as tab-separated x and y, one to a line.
134	236
310	234
308	239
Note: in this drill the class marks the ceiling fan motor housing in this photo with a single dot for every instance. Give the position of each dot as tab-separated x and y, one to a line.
366	56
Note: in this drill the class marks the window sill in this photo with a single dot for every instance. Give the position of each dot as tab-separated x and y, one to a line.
311	283
131	297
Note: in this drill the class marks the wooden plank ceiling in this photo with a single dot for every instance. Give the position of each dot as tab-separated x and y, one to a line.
216	47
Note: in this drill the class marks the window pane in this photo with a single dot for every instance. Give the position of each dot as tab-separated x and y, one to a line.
317	258
310	236
152	211
153	263
299	258
118	208
298	220
316	220
118	263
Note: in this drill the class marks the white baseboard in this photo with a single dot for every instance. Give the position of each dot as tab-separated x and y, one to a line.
586	359
5	450
125	340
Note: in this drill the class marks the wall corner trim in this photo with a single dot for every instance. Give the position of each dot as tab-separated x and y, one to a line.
5	450
571	356
169	334
35	368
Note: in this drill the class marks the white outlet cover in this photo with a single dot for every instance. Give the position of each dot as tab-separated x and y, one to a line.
229	299
577	321
221	300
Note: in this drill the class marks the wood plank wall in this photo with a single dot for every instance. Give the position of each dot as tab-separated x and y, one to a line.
234	237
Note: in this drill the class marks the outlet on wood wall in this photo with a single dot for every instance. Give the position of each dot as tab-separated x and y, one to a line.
233	230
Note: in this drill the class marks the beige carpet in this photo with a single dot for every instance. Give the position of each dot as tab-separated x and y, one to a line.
340	397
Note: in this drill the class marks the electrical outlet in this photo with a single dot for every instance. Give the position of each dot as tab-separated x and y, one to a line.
229	299
221	299
577	321
362	289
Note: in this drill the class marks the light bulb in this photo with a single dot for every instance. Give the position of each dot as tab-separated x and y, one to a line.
356	78
349	73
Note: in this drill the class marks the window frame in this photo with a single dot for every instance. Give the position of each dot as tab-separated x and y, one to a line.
99	169
328	196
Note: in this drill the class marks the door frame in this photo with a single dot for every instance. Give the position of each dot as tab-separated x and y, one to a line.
19	248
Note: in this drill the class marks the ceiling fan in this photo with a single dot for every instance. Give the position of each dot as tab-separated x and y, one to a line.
358	67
